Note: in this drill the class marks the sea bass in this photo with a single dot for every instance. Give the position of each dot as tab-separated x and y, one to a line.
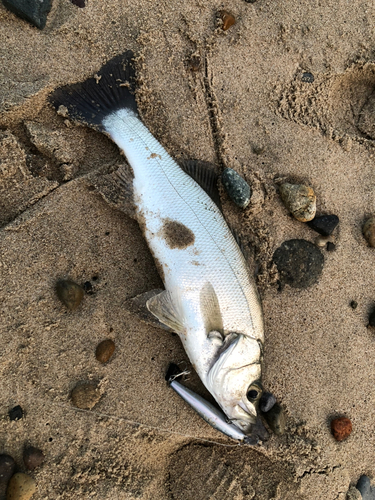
210	298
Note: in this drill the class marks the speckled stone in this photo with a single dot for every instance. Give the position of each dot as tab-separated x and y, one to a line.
299	262
300	200
70	293
237	188
7	466
276	419
85	395
266	402
21	487
105	350
341	428
32	457
324	224
368	231
33	11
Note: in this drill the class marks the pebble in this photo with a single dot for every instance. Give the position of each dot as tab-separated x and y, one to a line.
87	286
85	395
33	457
371	320
365	489
354	304
276	419
69	293
21	487
321	241
16	413
237	188
33	11
299	200
227	18
331	246
307	77
79	3
324	224
368	231
105	350
266	402
7	466
299	262
341	428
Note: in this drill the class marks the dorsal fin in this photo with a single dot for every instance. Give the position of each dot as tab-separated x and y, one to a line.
204	174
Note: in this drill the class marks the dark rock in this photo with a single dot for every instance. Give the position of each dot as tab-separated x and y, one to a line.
33	457
364	487
276	419
105	350
250	1
266	402
371	320
237	188
87	286
299	262
324	224
33	11
79	3
69	293
341	428
16	413
307	77
330	246
354	304
7	466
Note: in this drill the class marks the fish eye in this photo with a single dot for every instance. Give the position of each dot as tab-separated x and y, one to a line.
253	392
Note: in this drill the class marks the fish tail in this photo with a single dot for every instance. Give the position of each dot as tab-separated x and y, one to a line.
91	101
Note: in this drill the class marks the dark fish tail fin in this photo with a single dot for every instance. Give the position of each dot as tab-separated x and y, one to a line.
111	89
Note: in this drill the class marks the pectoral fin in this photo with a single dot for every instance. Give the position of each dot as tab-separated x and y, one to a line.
210	310
137	306
163	308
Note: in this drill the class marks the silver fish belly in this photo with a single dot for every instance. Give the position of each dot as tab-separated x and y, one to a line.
210	298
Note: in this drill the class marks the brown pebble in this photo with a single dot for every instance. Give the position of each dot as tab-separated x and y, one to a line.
7	466
21	487
69	293
228	20
368	231
341	428
105	350
32	457
85	395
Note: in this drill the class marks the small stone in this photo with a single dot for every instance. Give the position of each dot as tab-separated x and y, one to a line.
87	286
79	3
266	402
324	224
276	419
21	487
33	457
341	428
16	413
307	77
69	293
321	241
299	200
368	231
354	304
250	1
33	11
371	320
299	262
365	489
7	466
227	18
105	350
237	188
331	246
85	395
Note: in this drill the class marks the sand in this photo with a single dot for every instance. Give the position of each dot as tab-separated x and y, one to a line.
246	107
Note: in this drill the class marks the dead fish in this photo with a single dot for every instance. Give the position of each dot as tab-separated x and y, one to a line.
210	299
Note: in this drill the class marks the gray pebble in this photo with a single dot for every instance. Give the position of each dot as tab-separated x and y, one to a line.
266	402
33	11
307	77
276	419
299	200
299	262
364	487
237	188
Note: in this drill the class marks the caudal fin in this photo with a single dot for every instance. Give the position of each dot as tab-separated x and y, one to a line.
111	89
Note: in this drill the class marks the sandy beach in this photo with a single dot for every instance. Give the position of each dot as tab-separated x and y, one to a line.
236	98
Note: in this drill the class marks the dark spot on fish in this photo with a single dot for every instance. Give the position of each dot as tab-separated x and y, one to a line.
177	235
